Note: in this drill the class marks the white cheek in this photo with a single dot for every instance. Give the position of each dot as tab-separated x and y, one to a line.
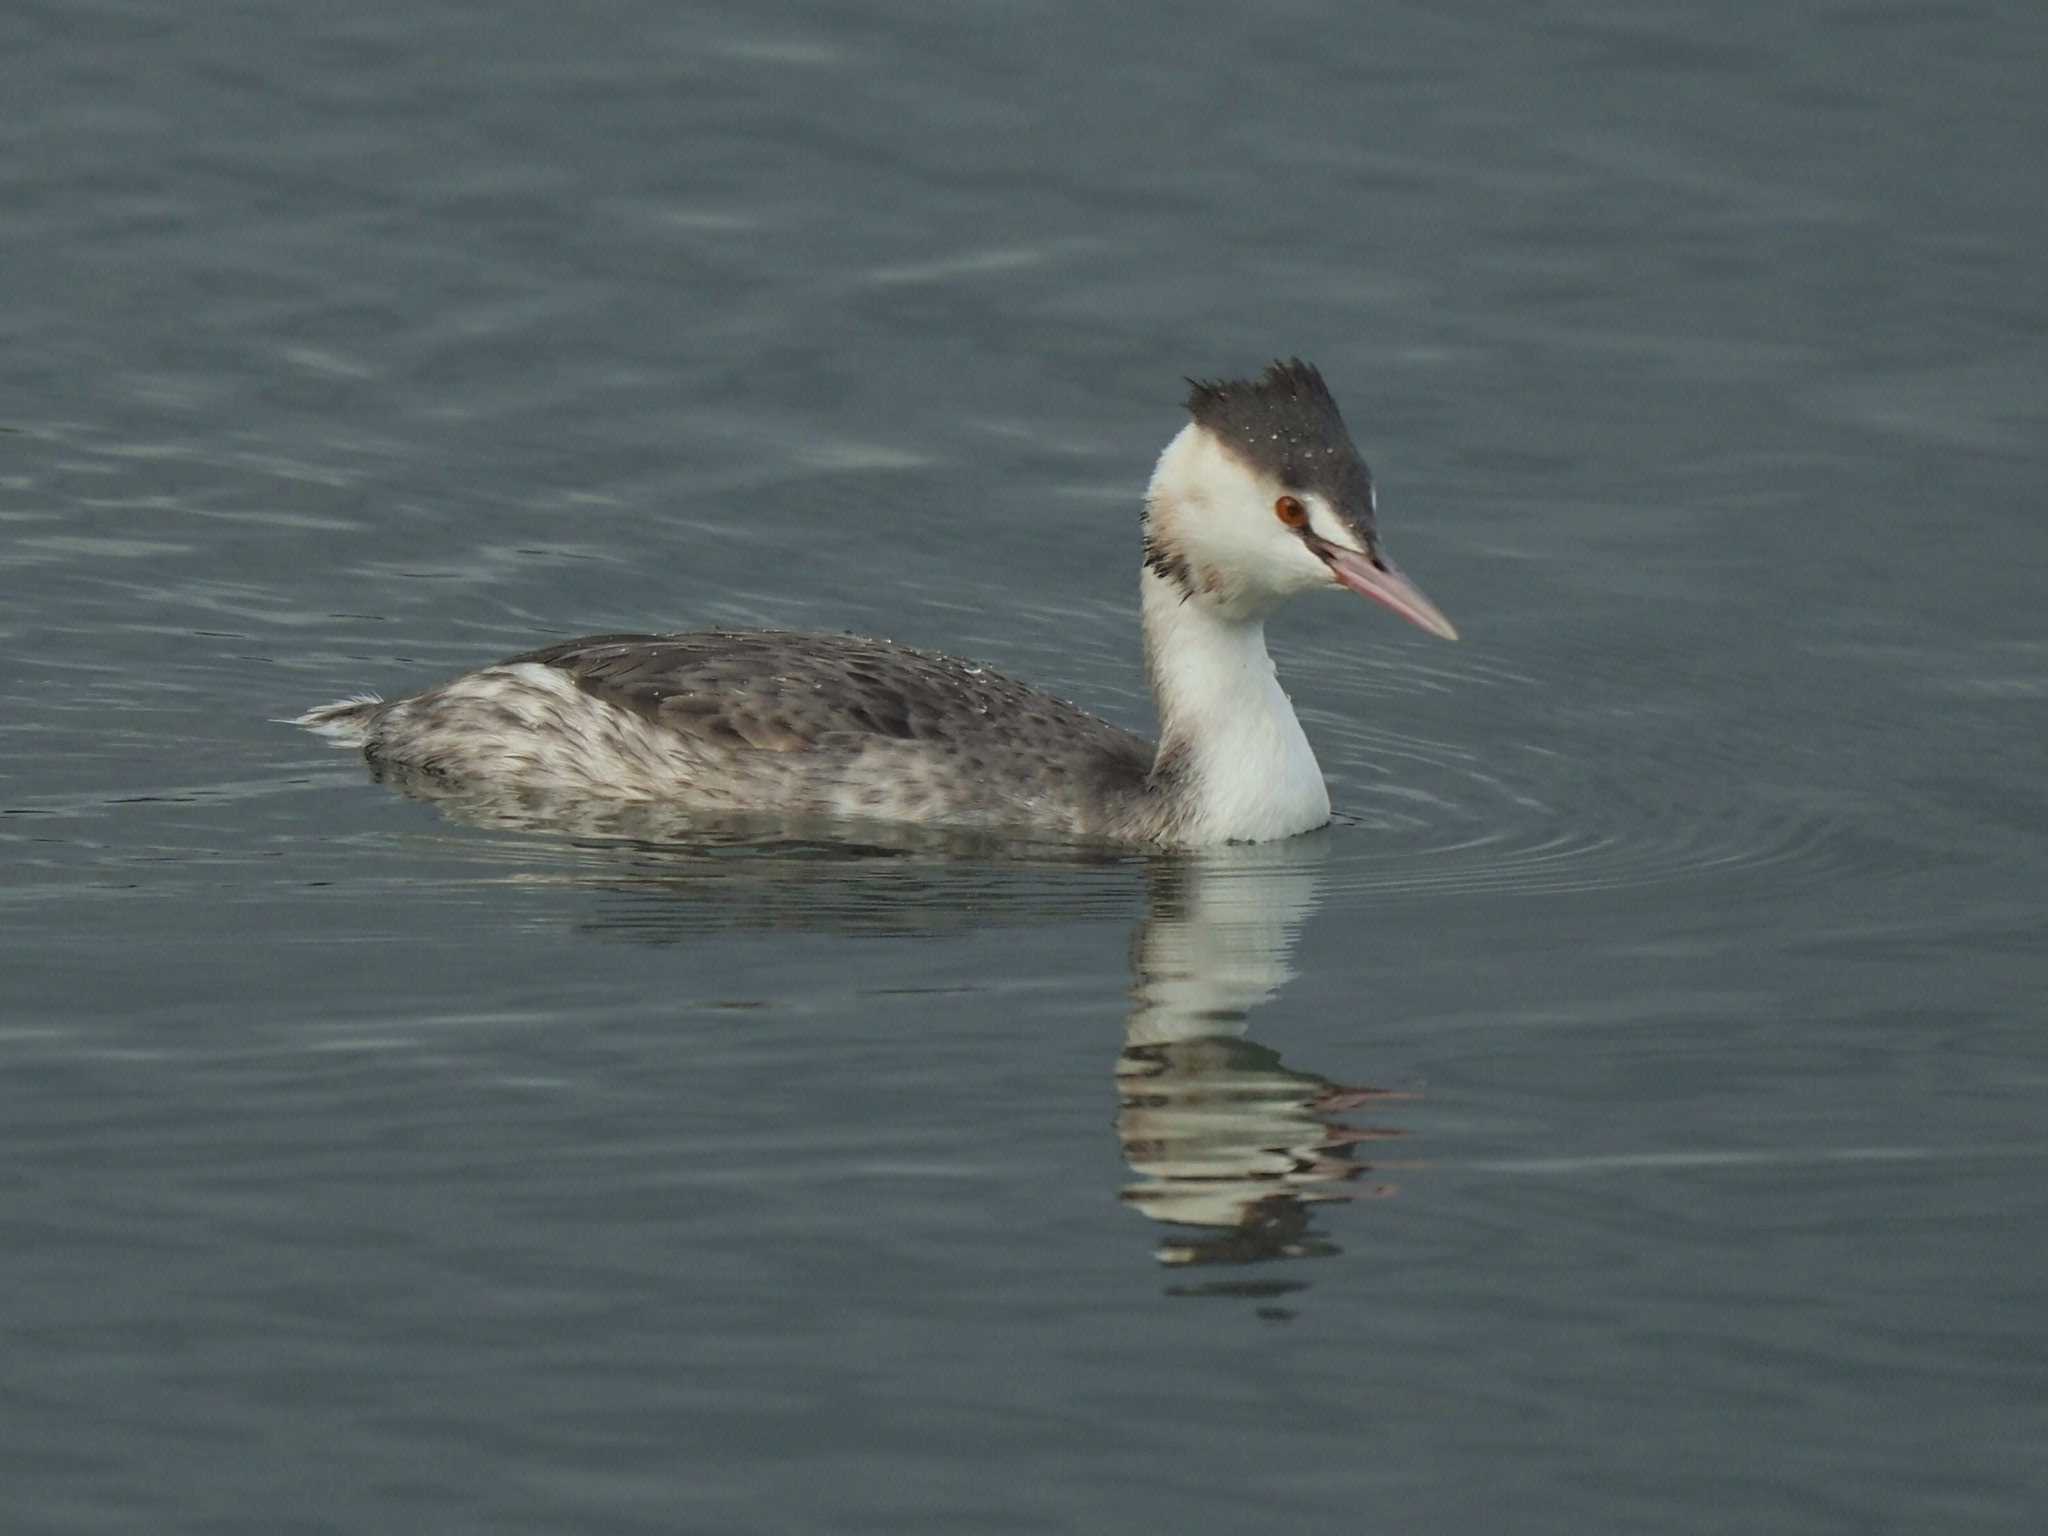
1301	568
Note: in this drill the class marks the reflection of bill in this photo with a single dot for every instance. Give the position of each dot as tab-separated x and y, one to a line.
1227	1141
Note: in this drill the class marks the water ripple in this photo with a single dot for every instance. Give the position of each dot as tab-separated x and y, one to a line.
1613	788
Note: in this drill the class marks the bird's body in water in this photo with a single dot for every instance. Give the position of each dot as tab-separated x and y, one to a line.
1262	496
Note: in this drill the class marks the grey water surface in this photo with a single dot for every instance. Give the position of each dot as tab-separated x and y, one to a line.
1629	1117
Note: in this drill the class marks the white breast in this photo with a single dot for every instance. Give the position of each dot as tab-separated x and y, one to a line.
1251	774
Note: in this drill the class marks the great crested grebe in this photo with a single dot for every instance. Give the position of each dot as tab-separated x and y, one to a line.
1261	496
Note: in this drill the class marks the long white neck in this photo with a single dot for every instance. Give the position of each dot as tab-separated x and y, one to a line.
1231	752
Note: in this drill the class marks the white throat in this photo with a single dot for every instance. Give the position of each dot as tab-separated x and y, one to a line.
1241	768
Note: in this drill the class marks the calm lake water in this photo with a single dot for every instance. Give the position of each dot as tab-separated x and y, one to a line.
1627	1118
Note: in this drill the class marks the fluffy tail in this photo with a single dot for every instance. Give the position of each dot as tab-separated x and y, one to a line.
345	720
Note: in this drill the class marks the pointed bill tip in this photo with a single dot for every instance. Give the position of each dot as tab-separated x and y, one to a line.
1387	586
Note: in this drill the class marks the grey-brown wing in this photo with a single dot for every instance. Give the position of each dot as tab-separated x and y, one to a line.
788	692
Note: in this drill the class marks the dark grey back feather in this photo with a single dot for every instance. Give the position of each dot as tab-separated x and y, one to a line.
790	692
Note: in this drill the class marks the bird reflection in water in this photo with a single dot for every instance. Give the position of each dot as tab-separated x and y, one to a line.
1231	1147
1229	1144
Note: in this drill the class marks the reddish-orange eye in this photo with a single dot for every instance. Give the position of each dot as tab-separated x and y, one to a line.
1291	512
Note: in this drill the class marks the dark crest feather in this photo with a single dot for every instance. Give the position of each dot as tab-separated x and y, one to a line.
1285	423
1291	379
